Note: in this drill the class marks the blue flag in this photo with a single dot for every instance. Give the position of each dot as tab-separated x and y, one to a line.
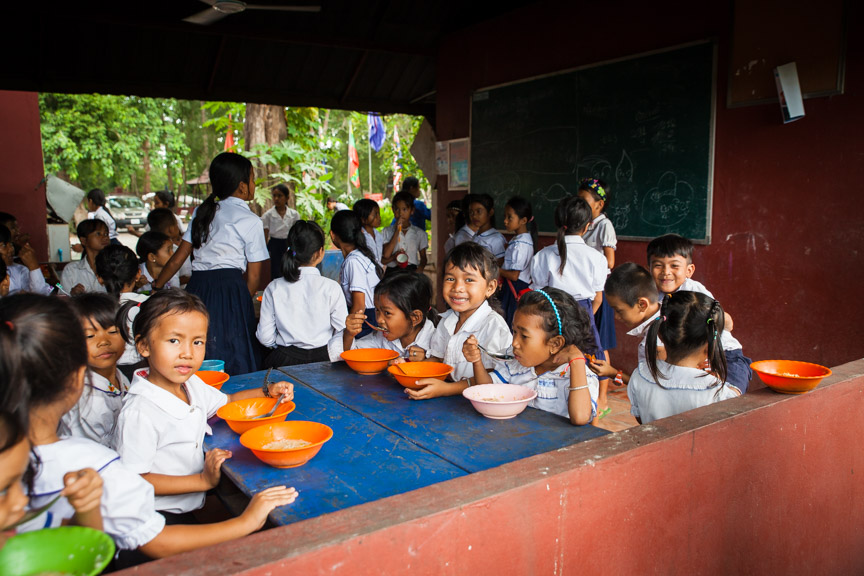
376	131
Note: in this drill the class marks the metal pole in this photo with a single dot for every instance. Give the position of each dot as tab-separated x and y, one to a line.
369	150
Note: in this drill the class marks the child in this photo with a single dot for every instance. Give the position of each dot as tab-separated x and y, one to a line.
335	206
51	347
302	310
370	217
689	326
481	211
470	279
551	334
154	250
80	276
403	308
516	271
359	273
97	209
277	222
95	414
163	220
164	418
465	230
226	239
163	199
422	213
404	244
19	239
670	260
632	296
455	221
579	270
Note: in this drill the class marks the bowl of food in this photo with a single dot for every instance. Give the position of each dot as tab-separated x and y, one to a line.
407	373
64	550
213	378
369	360
499	401
286	444
242	415
790	376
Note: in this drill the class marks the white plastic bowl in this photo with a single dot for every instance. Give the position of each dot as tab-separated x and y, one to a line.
499	401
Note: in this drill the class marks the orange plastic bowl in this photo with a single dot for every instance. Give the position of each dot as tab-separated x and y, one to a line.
369	360
214	379
790	376
261	441
239	414
412	371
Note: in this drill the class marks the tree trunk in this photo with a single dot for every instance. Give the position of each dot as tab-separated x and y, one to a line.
265	124
204	136
146	159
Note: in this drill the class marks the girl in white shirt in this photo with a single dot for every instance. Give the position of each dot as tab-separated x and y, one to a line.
80	276
277	221
470	279
689	326
516	270
481	211
370	217
302	310
154	250
226	240
97	208
404	244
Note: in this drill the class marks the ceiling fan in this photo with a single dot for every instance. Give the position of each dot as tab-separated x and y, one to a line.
219	9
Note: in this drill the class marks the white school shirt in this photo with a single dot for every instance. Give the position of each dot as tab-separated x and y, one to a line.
22	279
584	274
128	513
104	216
375	339
641	332
601	234
95	415
520	251
493	240
79	272
552	387
358	274
305	313
487	325
130	354
728	341
375	243
412	242
236	237
279	225
464	234
681	389
159	433
174	282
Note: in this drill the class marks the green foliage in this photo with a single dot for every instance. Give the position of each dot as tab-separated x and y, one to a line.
225	116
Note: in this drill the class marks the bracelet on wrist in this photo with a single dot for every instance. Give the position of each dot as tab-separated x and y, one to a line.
578	387
575	359
266	389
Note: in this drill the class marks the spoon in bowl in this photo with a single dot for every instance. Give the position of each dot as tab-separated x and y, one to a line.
272	411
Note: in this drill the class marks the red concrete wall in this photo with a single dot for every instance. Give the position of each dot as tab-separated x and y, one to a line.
788	231
21	166
762	484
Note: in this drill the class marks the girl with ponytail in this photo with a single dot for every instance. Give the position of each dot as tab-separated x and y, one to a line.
226	240
516	270
360	272
292	323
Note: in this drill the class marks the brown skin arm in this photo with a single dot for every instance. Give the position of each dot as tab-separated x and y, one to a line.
173	265
253	276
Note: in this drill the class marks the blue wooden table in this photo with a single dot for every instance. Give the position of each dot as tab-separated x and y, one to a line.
383	443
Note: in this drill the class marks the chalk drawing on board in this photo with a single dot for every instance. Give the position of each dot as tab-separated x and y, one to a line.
667	203
624	170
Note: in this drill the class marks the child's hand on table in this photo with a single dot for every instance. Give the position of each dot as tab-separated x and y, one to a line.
265	502
354	323
83	490
286	388
213	466
432	388
470	350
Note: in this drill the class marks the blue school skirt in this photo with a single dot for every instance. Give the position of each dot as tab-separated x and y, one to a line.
738	371
598	350
605	321
510	298
231	334
276	247
370	317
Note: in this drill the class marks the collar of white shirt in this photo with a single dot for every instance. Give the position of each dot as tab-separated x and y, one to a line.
166	401
99	382
599	219
641	328
234	201
488	232
309	271
680	377
475	321
573	239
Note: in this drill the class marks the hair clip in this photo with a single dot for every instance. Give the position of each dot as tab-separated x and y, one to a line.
10	325
564	228
663	318
554	309
531	219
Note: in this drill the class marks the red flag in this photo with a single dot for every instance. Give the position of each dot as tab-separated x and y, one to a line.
353	159
229	137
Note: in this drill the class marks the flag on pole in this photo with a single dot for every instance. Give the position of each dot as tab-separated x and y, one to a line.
229	137
397	171
376	131
353	159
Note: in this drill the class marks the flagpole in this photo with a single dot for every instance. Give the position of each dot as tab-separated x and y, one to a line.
369	150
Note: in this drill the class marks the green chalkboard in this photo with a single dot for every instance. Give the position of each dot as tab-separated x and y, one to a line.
644	125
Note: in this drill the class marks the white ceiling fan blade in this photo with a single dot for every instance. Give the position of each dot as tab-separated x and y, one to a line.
284	8
206	17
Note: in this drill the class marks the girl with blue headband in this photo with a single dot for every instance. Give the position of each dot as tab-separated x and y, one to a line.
551	335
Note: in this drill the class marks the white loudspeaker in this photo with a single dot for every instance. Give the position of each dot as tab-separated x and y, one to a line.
789	92
63	197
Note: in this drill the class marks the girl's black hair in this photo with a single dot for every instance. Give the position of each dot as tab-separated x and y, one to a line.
3	271
522	208
487	202
598	189
150	243
160	219
305	239
687	321
405	198
460	213
162	303
5	234
571	217
166	197
347	227
14	394
575	322
227	171
97	307
364	208
409	183
87	227
282	189
97	196
117	266
473	255
409	291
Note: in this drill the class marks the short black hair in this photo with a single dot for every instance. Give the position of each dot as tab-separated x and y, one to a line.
670	245
628	282
160	219
98	307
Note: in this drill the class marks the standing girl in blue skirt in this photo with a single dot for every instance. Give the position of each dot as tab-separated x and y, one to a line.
360	272
226	239
516	270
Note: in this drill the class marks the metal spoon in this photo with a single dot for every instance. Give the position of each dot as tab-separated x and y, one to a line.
272	411
38	512
497	356
374	327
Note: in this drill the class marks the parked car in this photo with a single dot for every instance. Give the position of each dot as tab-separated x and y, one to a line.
128	210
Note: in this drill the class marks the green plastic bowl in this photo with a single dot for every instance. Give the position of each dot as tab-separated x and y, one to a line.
65	550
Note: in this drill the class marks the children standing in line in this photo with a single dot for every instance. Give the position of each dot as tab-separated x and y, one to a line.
97	208
302	310
670	260
470	279
80	276
277	221
481	212
155	250
551	334
404	244
226	239
370	217
516	270
359	273
689	326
